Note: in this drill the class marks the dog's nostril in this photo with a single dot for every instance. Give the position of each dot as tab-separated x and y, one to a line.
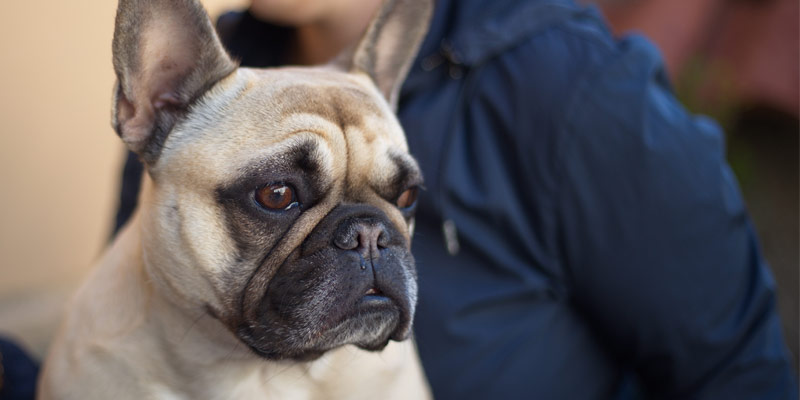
383	240
349	243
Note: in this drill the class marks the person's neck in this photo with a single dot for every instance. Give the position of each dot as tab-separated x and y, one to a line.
321	41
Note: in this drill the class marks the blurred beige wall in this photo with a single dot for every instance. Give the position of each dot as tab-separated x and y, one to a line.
59	158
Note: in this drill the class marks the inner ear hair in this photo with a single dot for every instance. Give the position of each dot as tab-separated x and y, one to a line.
166	54
390	44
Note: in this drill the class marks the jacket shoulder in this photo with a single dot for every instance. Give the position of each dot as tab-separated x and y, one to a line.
531	89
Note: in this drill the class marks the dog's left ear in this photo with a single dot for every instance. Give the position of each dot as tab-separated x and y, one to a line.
166	54
391	43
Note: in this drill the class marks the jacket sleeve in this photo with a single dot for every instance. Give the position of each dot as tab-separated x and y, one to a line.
660	252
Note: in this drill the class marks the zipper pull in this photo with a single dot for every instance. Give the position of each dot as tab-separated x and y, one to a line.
447	50
456	70
450	237
432	61
448	54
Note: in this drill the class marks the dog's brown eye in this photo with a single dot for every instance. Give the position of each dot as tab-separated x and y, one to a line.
276	196
408	198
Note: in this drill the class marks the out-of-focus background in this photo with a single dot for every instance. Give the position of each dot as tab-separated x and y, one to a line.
60	161
739	62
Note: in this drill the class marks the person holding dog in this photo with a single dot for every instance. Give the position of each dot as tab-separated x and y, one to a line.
581	235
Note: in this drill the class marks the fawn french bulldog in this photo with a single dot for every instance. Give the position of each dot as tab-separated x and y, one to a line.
270	254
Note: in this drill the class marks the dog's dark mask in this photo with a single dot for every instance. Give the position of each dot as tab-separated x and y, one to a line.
352	281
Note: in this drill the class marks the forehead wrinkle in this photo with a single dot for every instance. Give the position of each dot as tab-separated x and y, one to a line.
401	172
394	215
342	105
291	140
406	168
283	150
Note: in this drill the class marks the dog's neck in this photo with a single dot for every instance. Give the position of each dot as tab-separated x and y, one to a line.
187	344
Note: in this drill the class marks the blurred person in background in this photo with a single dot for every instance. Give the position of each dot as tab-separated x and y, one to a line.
18	372
738	61
581	235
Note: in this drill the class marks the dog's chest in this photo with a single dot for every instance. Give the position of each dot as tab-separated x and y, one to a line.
344	373
237	380
268	380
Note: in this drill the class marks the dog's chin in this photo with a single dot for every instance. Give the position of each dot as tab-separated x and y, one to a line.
370	325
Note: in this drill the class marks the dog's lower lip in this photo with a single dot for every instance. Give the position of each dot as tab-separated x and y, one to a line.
375	299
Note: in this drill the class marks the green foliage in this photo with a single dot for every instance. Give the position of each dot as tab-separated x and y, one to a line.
709	88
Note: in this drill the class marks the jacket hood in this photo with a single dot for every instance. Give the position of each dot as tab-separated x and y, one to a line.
469	32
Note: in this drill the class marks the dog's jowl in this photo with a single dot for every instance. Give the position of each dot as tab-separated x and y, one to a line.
270	255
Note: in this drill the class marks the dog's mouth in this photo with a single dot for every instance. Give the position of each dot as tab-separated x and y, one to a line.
370	323
301	323
373	292
373	321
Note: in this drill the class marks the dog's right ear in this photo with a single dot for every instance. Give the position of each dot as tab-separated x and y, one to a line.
166	54
390	44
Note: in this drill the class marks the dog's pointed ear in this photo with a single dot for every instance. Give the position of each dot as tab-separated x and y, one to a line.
390	44
166	54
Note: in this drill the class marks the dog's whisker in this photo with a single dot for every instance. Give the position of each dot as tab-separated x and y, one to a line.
191	326
229	356
273	376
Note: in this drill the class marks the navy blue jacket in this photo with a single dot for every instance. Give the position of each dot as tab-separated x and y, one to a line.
594	234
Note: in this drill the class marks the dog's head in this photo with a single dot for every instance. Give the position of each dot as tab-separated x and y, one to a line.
282	199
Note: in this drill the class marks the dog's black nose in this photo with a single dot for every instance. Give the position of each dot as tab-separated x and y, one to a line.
366	238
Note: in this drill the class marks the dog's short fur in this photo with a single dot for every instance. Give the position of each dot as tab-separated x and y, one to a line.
207	293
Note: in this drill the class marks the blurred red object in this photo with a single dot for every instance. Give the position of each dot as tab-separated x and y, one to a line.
756	41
